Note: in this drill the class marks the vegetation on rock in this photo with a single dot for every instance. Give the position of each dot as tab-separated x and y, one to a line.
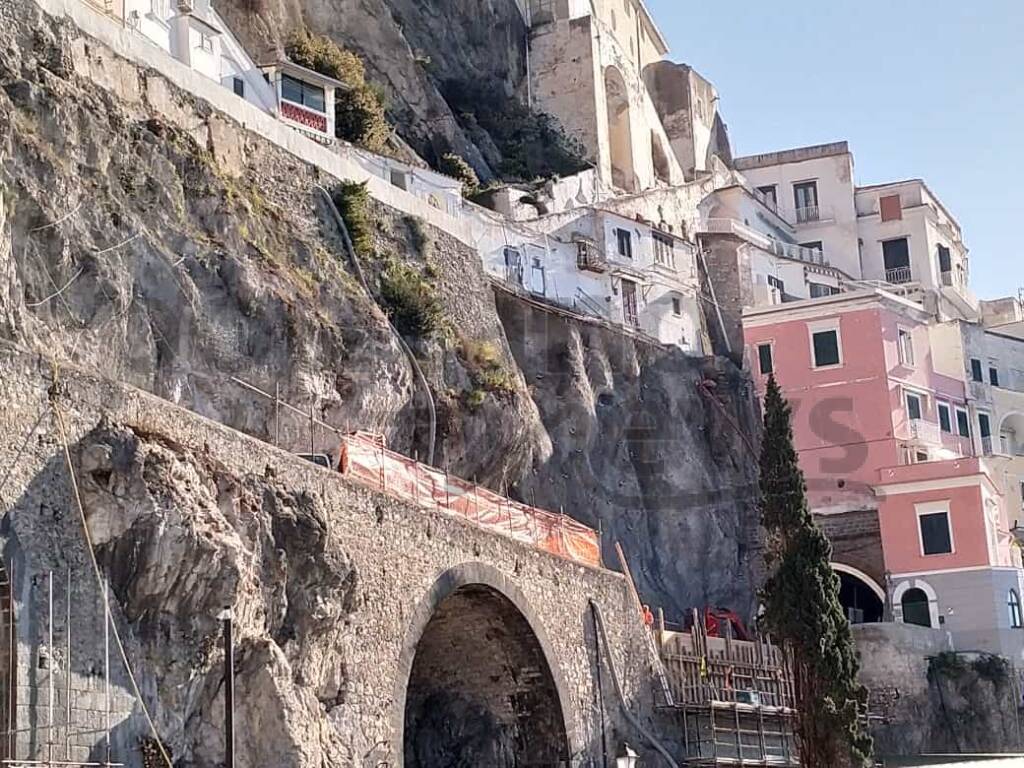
801	601
353	202
410	300
457	167
358	111
532	144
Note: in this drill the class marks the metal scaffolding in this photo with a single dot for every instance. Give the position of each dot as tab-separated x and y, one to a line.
734	698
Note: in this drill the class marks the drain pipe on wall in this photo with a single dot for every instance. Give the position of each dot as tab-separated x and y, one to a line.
595	612
354	258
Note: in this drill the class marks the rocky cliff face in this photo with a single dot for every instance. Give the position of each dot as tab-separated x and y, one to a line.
411	49
653	447
153	241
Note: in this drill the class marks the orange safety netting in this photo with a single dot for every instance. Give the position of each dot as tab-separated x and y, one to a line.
365	458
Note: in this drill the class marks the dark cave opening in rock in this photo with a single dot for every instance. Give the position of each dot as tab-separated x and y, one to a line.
481	691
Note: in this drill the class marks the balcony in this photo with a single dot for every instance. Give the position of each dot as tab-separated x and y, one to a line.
925	431
990	445
899	276
798	252
809	215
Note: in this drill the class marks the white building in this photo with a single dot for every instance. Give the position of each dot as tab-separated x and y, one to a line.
599	263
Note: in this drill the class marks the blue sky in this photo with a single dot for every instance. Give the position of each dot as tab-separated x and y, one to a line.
919	89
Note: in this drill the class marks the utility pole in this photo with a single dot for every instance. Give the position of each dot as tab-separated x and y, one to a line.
229	688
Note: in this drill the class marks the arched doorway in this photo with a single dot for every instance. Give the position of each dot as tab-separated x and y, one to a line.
1011	434
862	599
915	607
480	690
620	133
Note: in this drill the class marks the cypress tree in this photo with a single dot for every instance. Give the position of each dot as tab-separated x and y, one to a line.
801	605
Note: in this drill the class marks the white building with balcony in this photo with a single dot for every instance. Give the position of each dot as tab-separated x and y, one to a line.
895	234
599	263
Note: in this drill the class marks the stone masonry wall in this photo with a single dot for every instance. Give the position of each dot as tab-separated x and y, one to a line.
374	565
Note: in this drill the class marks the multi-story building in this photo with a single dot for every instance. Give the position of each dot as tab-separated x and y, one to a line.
891	419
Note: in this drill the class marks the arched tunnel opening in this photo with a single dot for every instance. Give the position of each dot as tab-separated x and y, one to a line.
481	691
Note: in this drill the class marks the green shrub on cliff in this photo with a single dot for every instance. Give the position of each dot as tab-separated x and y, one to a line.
456	166
353	202
410	301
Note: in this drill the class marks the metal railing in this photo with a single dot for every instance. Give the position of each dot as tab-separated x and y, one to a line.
989	445
808	214
899	275
732	227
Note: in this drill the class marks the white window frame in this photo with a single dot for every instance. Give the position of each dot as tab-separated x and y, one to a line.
934	508
941	405
205	42
905	351
1016	618
823	326
922	398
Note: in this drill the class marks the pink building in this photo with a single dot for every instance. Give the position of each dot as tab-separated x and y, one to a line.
881	432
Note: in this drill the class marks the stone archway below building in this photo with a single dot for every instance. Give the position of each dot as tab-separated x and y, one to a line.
480	689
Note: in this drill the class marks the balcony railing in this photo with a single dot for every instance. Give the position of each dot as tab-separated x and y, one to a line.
989	446
899	275
798	252
808	214
925	431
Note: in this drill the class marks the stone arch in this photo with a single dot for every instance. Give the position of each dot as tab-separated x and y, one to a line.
469	641
918	585
662	166
620	131
861	596
1011	433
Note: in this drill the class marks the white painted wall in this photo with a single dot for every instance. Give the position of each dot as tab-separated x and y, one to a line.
837	229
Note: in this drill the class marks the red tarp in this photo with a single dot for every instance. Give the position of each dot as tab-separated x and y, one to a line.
364	458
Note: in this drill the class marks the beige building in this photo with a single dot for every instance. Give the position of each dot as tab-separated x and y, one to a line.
599	67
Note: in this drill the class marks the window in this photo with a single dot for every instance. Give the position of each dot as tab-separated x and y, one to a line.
1013	604
915	406
916	609
945	263
238	86
624	239
299	92
896	255
805	195
921	457
993	375
776	283
677	307
945	418
826	348
936	538
664	253
765	360
817	290
814	245
976	374
890	208
206	42
400	179
769	195
963	423
905	344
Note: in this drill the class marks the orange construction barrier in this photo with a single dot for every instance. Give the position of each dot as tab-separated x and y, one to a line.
365	458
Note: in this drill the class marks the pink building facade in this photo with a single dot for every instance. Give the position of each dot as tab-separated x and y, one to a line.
879	429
